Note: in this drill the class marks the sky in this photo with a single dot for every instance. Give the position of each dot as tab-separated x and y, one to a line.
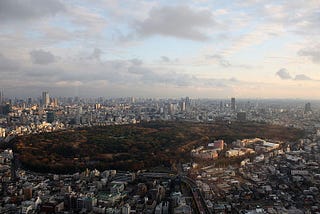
170	48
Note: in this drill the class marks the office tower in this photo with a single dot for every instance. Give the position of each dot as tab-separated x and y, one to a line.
307	108
1	97
97	106
55	102
182	106
233	104
45	99
172	108
187	100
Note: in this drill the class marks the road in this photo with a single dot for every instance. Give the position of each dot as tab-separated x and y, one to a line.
196	193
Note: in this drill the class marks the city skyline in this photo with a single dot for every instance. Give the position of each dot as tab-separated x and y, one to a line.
202	49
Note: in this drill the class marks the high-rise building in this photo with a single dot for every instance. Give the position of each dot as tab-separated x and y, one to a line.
307	108
221	106
182	106
1	97
55	102
233	104
45	99
172	108
188	103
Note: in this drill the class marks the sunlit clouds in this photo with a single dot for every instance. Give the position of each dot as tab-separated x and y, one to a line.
211	49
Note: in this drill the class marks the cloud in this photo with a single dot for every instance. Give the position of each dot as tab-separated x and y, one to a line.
138	70
42	57
161	76
233	79
91	23
129	76
167	77
223	62
257	36
302	77
220	59
71	30
151	76
301	17
7	64
96	54
283	74
17	10
136	62
165	59
312	53
176	21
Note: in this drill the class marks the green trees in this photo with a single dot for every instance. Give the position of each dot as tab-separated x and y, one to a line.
132	147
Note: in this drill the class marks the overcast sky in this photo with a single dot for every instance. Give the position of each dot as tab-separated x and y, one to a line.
196	48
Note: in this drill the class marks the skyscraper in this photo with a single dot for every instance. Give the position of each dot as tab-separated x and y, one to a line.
221	106
182	106
233	104
188	103
55	102
172	108
1	97
45	99
307	108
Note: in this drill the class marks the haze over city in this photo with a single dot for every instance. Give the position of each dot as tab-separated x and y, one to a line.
159	106
205	49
